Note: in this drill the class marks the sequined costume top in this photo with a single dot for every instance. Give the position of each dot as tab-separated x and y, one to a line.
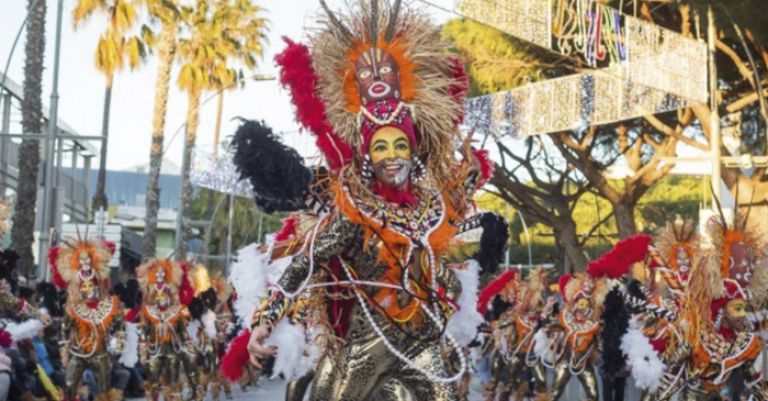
89	325
378	242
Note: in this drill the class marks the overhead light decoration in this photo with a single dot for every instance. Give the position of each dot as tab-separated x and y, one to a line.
639	68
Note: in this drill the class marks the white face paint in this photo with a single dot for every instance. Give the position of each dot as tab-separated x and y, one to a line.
393	172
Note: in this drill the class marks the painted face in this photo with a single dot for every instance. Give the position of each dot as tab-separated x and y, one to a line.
583	305
160	276
742	263
736	315
88	290
377	75
683	260
390	154
86	268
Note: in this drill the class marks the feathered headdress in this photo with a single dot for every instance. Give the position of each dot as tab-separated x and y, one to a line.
323	82
505	282
201	280
160	275
78	260
534	290
718	258
617	262
581	285
676	236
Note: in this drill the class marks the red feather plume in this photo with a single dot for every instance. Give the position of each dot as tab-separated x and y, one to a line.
617	262
109	245
459	91
486	166
288	230
562	282
493	288
299	77
236	357
58	281
186	291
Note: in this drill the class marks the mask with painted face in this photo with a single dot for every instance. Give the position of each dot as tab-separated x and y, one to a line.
377	76
742	263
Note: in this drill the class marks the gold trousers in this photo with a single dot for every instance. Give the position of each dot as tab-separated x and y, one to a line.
100	364
587	378
364	369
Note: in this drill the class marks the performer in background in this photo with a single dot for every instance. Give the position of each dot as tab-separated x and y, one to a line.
92	314
165	347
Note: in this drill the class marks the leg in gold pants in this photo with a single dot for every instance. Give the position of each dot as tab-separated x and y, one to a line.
587	378
101	366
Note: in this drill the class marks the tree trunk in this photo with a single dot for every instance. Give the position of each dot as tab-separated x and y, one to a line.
100	197
22	233
568	238
624	213
166	51
193	114
217	128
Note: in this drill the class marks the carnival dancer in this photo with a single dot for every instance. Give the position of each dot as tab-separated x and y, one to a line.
165	347
575	337
632	312
534	310
218	298
728	283
500	296
209	323
8	258
92	315
378	82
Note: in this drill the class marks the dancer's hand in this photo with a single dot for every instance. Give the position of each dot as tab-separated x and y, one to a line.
255	348
45	319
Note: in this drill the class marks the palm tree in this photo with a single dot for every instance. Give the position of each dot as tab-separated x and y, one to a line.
22	233
165	45
116	47
220	32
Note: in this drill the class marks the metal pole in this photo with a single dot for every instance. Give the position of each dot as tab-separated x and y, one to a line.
714	120
49	149
527	239
5	142
230	218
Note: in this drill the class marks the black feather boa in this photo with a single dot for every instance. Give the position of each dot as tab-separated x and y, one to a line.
277	172
615	323
493	242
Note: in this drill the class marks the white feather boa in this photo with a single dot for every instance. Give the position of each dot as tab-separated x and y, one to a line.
24	330
193	327
130	355
647	368
462	326
250	275
209	323
542	346
297	353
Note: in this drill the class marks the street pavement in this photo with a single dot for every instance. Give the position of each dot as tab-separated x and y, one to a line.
274	390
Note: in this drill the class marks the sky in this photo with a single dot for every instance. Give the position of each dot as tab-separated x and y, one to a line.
81	86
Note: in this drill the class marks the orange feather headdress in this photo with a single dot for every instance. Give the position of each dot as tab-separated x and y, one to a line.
160	275
74	261
432	82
